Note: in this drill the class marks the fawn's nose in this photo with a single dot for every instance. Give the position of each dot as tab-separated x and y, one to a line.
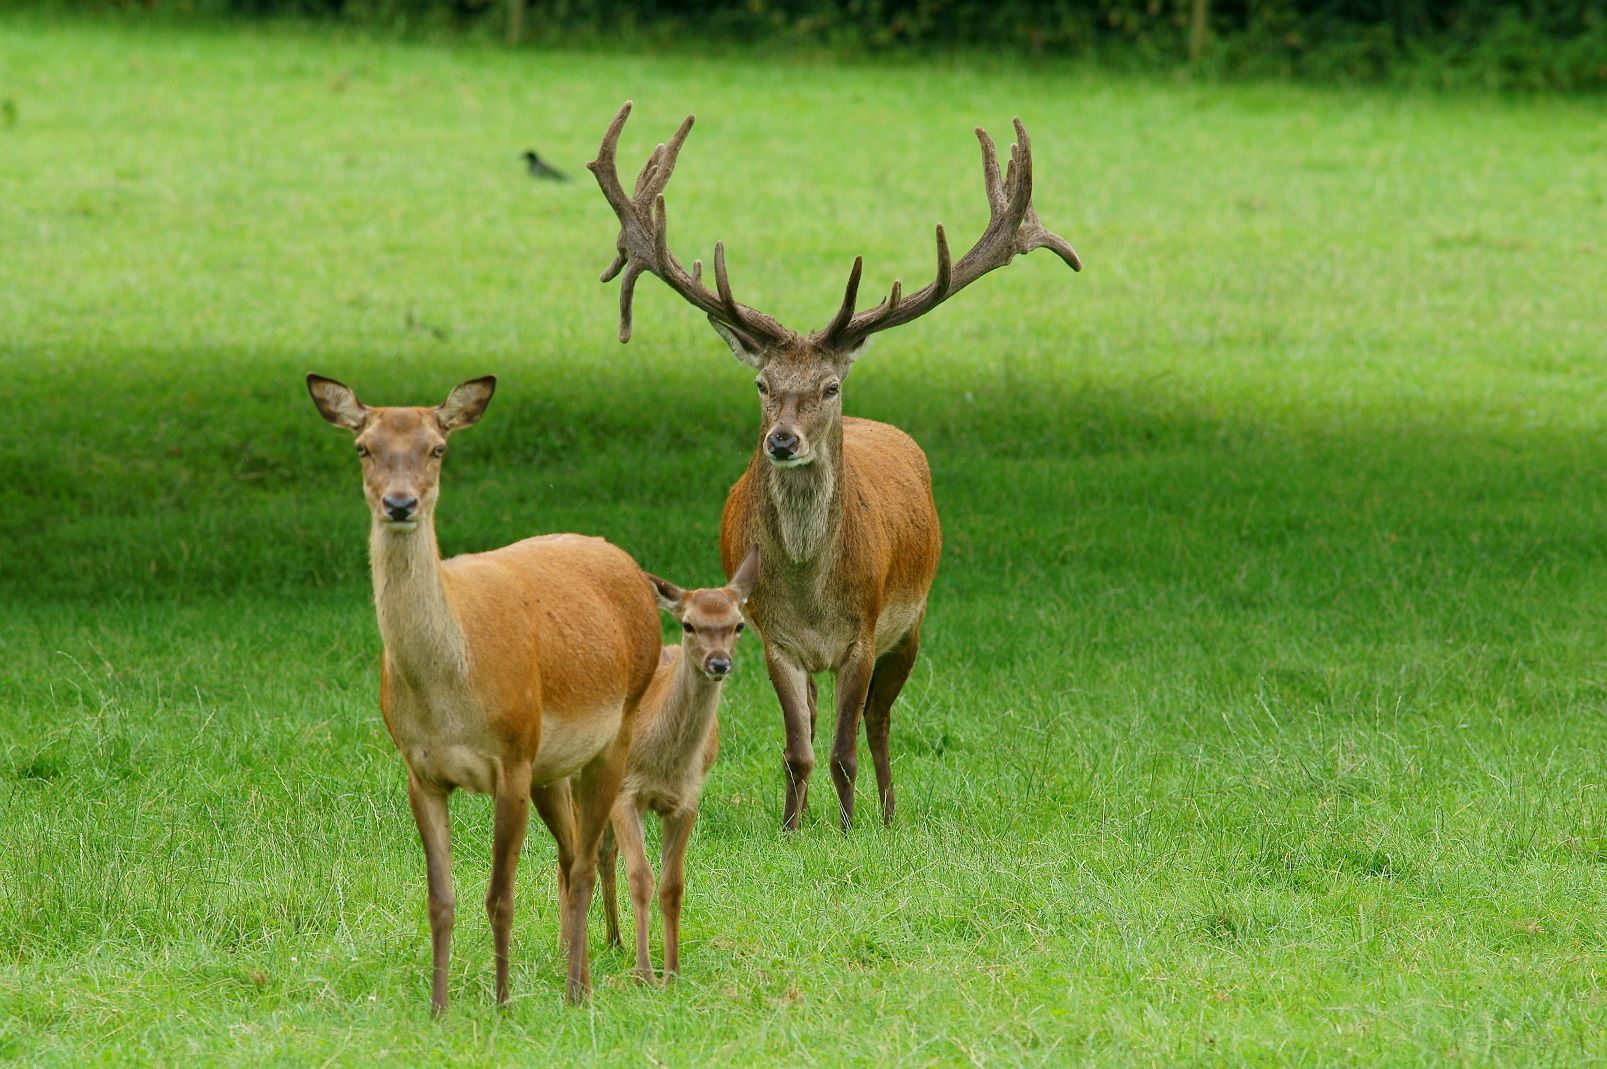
718	666
399	507
781	444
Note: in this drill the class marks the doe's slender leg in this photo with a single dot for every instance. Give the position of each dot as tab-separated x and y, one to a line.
507	837
430	812
555	804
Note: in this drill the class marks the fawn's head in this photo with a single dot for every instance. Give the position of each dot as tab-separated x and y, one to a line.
800	376
711	619
401	448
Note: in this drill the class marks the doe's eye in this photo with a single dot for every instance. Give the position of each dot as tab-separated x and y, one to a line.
740	626
362	450
686	627
438	451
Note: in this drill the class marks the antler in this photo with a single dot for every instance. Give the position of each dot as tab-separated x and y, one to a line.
643	245
1013	228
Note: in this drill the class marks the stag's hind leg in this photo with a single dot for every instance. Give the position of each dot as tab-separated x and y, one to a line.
885	684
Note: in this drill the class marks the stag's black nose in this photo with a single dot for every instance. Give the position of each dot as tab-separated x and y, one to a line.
398	507
781	444
718	666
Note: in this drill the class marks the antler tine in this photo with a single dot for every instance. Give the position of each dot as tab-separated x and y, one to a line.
850	297
1013	228
721	281
643	243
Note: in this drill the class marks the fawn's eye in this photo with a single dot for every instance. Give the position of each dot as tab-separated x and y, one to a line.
438	451
686	627
832	389
740	626
362	450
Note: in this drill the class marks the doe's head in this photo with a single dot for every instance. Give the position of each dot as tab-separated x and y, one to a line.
711	618
401	448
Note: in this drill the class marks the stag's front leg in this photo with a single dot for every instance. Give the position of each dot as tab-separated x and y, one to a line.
853	686
792	685
429	805
507	838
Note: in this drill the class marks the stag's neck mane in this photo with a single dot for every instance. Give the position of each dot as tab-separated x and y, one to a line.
422	635
801	508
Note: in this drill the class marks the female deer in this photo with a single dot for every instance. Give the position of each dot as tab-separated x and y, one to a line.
504	673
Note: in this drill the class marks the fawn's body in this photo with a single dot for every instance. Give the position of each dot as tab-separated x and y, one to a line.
673	747
506	673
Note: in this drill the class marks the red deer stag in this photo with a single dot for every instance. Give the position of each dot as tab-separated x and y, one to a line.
504	673
672	748
840	508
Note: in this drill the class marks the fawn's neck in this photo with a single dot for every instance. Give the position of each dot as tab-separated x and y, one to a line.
423	638
689	709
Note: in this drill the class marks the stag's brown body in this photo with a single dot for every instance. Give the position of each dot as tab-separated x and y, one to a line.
506	673
841	509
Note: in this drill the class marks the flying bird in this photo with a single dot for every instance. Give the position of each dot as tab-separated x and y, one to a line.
539	169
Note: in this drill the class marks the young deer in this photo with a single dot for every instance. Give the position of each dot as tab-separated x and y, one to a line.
676	738
504	673
841	509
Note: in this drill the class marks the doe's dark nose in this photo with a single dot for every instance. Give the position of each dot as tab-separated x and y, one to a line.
399	507
781	444
718	665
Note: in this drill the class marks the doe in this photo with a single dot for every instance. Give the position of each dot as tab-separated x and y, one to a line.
504	673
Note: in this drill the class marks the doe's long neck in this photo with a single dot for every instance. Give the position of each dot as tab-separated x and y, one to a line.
423	637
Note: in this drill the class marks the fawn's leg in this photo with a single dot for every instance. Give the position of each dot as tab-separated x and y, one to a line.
608	879
639	875
677	831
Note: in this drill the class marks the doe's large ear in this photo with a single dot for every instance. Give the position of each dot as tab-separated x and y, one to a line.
337	403
669	595
747	574
466	403
743	348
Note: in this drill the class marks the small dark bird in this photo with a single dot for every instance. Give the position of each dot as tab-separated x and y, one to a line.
538	169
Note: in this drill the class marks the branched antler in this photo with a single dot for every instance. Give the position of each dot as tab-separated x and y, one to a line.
1013	228
643	243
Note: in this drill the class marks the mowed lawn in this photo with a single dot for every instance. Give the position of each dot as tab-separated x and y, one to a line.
1262	711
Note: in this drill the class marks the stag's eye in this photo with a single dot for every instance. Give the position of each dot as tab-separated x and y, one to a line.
764	391
832	389
686	627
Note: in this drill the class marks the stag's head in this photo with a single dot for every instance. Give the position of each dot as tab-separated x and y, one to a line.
400	449
710	619
800	376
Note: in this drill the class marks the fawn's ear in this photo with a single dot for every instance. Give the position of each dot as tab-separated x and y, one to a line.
669	595
466	403
337	403
747	574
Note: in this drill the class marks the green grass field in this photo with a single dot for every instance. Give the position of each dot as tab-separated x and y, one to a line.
1260	718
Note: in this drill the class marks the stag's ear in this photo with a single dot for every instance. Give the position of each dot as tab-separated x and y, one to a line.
669	595
337	403
747	574
466	403
843	359
743	348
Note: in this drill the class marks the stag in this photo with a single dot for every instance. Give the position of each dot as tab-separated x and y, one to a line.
840	508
